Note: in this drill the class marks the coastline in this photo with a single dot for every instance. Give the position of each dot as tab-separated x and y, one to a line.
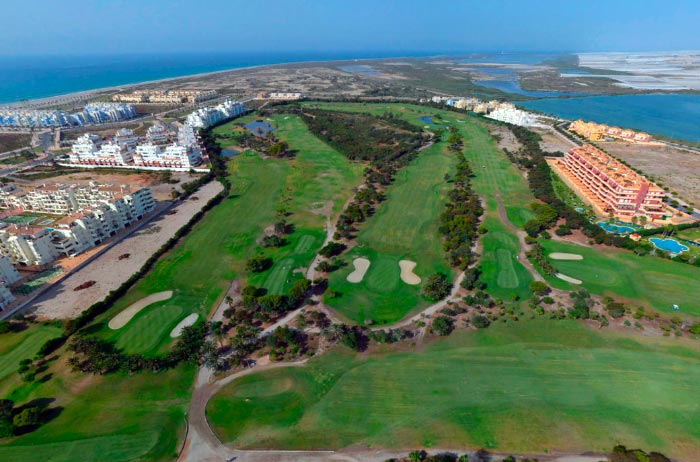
48	101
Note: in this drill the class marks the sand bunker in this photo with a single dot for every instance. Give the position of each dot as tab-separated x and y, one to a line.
566	278
123	318
565	256
407	274
187	322
361	266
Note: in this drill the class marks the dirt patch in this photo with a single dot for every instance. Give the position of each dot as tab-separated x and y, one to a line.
187	322
565	256
361	266
553	142
505	138
126	315
407	274
566	278
669	166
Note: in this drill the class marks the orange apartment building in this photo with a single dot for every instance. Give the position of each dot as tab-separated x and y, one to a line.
597	132
609	186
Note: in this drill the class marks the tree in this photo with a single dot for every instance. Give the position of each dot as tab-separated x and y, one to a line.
7	428
27	418
480	321
258	264
437	286
442	325
332	249
539	288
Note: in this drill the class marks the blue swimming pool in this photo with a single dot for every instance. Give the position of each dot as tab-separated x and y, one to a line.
669	245
615	229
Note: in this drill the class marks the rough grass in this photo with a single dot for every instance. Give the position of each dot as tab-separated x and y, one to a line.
650	281
521	387
15	347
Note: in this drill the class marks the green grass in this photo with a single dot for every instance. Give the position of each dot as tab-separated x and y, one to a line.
15	347
494	174
145	332
650	281
405	226
523	387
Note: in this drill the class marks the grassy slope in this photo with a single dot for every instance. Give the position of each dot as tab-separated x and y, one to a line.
530	386
404	227
647	280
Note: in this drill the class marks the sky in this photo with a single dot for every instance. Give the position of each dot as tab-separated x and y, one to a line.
445	26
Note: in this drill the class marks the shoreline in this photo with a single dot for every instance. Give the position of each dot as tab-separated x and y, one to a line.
48	101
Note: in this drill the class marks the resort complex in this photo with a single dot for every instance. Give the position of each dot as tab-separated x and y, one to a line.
600	132
165	96
208	116
496	110
93	113
609	186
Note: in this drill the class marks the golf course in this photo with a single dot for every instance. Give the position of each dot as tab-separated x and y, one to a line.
527	386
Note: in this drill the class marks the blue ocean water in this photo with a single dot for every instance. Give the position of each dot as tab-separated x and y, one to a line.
672	115
29	77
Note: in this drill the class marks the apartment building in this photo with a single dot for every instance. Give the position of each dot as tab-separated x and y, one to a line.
6	297
174	156
27	245
506	112
597	132
157	134
165	96
8	273
608	185
208	116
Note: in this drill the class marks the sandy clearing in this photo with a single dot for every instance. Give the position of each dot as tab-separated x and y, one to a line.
566	278
407	274
361	266
61	301
565	256
127	314
187	322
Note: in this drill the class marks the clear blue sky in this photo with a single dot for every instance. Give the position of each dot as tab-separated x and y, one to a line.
126	26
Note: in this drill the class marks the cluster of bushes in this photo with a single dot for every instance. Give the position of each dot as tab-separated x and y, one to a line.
582	304
285	343
19	420
443	325
389	336
460	220
98	356
482	455
437	286
622	454
536	253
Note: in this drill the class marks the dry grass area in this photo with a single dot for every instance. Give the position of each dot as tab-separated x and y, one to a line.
552	141
12	141
161	191
108	270
504	137
675	168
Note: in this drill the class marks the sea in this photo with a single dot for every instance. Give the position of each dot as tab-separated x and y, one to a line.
671	115
31	77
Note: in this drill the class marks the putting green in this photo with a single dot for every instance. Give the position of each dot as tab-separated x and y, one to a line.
383	275
144	333
507	278
277	278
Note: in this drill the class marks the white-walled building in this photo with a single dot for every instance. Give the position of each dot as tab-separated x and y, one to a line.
208	116
6	297
157	134
8	273
507	112
174	155
27	245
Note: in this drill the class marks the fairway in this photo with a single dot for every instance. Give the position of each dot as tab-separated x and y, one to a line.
22	345
405	227
527	386
650	281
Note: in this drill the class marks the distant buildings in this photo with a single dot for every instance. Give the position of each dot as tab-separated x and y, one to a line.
208	116
281	96
609	186
596	132
165	96
506	112
93	113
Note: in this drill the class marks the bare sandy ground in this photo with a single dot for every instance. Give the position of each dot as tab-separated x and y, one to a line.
108	271
566	278
552	141
361	266
127	314
565	256
187	322
672	167
407	274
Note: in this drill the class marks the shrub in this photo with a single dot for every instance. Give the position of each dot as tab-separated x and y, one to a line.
437	286
442	325
479	321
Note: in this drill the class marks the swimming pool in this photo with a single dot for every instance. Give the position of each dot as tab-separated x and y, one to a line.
669	245
616	229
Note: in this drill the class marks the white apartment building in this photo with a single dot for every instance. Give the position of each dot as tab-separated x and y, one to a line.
285	96
126	137
507	112
62	199
6	297
174	155
8	273
89	149
26	245
157	134
208	116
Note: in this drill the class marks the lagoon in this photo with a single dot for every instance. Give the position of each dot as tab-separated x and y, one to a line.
670	115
